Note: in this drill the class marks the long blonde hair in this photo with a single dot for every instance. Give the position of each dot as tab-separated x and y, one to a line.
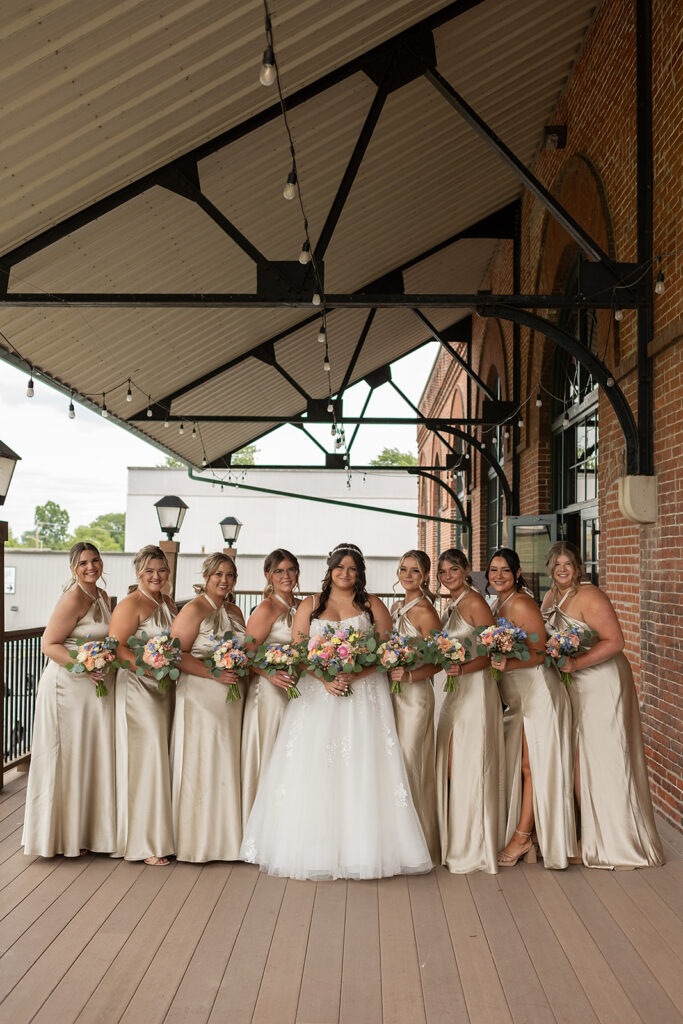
75	553
424	564
271	563
142	560
564	547
210	565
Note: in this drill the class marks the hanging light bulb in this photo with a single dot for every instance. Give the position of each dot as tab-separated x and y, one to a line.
149	413
322	336
29	388
165	424
316	300
72	411
345	457
181	429
539	400
610	382
520	422
506	433
565	420
105	411
330	407
129	394
194	431
618	314
289	191
267	74
333	430
326	366
305	254
659	284
204	461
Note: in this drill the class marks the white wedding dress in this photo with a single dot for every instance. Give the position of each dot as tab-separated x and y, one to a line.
335	800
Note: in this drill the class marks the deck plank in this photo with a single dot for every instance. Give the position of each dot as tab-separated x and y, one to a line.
155	992
444	1001
14	782
35	987
567	999
194	999
278	996
15	802
607	997
238	990
483	992
117	987
320	997
14	866
40	898
23	885
402	1000
657	910
361	990
11	845
640	986
525	996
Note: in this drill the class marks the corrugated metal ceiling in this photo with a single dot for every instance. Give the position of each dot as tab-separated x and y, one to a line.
103	93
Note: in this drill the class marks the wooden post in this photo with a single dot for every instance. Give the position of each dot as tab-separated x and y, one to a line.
171	549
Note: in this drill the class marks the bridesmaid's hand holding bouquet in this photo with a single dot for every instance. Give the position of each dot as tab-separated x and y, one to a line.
398	652
565	643
443	650
96	657
157	656
502	641
229	655
272	658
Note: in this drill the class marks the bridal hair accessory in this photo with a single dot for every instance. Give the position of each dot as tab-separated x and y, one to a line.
346	547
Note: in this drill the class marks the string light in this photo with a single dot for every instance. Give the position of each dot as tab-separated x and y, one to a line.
539	400
267	74
330	407
610	382
659	283
166	424
289	191
322	336
29	388
149	413
506	433
618	314
194	431
305	254
520	422
72	411
105	411
333	430
181	429
129	393
326	365
316	300
204	463
565	420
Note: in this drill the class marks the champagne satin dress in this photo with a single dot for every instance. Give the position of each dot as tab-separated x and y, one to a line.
537	705
617	822
471	806
414	715
205	756
143	781
264	709
70	799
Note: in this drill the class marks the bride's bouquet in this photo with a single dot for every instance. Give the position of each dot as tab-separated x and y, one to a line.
503	639
397	652
567	643
229	654
272	658
443	650
94	656
157	656
343	649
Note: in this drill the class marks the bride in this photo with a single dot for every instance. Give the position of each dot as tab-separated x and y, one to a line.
335	800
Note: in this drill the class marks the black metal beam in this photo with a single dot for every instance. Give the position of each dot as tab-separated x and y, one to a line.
357	351
486	133
355	300
420	471
362	415
429	424
594	365
295	420
644	170
438	336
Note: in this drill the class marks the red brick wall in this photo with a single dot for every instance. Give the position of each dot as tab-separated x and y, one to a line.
595	179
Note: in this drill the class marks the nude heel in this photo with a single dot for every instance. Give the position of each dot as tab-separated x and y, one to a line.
530	857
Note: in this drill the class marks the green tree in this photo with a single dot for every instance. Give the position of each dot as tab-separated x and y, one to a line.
50	527
12	541
394	457
245	456
114	523
170	462
96	535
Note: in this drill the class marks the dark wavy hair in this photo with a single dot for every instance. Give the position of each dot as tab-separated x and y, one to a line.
514	564
361	598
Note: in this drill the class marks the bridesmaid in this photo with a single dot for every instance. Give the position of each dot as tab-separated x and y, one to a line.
70	800
470	751
205	742
267	697
143	721
537	724
610	774
414	707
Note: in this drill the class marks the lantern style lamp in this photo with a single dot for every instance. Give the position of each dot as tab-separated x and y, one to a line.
230	528
171	512
8	460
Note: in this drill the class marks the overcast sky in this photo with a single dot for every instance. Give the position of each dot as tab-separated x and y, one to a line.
81	463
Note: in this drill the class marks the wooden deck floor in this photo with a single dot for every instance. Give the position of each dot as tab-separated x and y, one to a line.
93	939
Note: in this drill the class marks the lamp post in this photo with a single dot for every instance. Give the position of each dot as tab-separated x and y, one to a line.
8	461
230	528
171	511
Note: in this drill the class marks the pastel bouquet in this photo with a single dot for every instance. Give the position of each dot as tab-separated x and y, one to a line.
157	656
503	639
567	643
95	656
229	655
338	650
272	658
441	649
397	652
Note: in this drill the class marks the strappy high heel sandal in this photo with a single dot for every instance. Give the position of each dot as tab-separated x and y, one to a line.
528	854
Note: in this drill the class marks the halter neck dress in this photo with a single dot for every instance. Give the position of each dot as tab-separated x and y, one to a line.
143	728
205	755
414	715
264	710
617	822
70	798
334	801
471	803
538	707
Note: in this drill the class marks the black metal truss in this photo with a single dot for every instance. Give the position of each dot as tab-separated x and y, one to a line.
421	471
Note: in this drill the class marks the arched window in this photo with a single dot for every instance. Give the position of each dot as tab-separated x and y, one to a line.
436	504
495	497
575	439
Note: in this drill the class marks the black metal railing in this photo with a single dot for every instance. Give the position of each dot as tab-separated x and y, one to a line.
24	662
